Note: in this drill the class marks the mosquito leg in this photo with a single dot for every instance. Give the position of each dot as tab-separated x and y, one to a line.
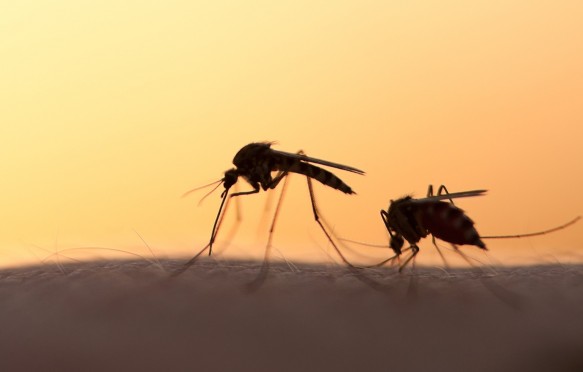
230	235
412	289
390	259
190	262
354	269
534	233
219	217
466	257
440	191
260	279
317	218
503	294
216	227
414	251
439	251
257	282
276	214
265	212
278	177
238	217
237	203
255	191
271	186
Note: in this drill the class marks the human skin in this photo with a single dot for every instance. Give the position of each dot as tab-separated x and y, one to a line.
132	315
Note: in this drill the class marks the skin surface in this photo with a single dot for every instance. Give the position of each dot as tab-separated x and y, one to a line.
130	315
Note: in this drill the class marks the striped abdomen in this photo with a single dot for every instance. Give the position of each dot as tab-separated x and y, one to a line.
447	222
312	171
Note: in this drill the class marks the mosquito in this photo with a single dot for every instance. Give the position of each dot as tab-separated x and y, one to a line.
414	219
255	163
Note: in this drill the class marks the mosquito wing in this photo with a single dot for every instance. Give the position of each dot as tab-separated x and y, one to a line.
317	161
453	195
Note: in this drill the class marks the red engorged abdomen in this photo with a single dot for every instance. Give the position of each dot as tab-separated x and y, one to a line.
447	222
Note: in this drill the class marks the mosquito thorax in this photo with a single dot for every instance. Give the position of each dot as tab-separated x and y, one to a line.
252	151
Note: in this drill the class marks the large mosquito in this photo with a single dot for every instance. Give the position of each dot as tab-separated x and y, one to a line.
255	162
413	219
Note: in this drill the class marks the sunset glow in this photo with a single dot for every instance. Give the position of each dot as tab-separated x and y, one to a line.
110	112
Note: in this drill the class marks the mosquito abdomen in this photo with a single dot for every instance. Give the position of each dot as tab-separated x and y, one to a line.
449	223
319	174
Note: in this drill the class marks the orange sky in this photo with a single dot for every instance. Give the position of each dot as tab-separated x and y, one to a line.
110	111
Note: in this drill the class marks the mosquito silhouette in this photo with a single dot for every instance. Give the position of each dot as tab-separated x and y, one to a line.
255	163
409	219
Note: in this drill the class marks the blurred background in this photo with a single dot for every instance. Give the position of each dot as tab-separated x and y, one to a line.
112	110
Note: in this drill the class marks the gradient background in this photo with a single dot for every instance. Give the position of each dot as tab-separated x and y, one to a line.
111	110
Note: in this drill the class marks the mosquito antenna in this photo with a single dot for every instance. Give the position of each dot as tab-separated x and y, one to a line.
534	233
202	187
208	193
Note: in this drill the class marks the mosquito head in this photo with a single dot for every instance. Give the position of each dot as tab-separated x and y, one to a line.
230	178
397	240
396	243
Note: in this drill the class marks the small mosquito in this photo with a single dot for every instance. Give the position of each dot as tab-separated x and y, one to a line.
413	219
255	162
